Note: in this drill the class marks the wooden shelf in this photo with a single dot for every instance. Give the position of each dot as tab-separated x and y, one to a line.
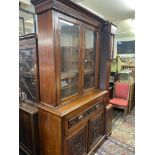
89	50
69	86
71	74
88	71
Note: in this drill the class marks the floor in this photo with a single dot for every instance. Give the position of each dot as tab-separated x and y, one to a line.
122	139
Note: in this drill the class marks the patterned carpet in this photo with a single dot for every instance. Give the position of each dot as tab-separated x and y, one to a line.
122	139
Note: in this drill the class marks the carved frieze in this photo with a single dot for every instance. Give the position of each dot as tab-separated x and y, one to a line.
85	114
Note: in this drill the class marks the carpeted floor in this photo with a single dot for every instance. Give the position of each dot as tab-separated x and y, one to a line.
122	139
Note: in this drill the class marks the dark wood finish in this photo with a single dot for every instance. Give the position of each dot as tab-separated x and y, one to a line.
28	129
58	16
50	69
51	133
46	59
28	112
69	8
108	73
106	55
77	144
97	48
73	125
108	122
56	133
85	114
131	97
96	129
50	85
111	92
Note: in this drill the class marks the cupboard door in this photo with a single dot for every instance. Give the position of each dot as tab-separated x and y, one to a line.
96	128
77	144
27	73
90	42
69	46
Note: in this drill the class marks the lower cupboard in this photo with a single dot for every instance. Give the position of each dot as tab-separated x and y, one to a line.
76	130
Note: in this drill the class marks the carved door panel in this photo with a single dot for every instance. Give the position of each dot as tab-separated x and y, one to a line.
96	129
77	144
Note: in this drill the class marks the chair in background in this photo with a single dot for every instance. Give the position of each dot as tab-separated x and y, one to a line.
121	96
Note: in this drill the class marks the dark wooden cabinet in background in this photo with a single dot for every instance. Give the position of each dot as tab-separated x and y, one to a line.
28	95
28	69
73	74
28	129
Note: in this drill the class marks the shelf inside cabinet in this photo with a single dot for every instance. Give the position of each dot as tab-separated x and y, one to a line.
69	74
89	71
69	86
89	50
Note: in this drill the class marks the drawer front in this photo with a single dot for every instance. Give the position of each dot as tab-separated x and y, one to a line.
85	114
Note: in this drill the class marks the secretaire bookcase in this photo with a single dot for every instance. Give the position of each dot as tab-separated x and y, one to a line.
73	50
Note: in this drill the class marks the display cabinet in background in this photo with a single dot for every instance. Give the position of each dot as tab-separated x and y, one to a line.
28	70
28	95
28	129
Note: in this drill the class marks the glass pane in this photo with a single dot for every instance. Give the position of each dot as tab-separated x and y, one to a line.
27	82
26	23
69	44
21	26
89	59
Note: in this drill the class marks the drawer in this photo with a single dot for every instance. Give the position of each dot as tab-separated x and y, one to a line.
72	123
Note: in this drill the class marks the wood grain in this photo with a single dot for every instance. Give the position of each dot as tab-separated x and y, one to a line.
46	59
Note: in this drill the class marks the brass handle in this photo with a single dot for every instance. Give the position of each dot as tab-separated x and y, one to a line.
98	107
80	117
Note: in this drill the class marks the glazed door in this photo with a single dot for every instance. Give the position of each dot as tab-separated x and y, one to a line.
77	48
68	57
90	58
28	88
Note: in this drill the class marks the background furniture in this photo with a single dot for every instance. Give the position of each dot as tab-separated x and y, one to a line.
28	70
127	75
132	96
121	96
128	66
113	79
116	66
28	129
28	95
